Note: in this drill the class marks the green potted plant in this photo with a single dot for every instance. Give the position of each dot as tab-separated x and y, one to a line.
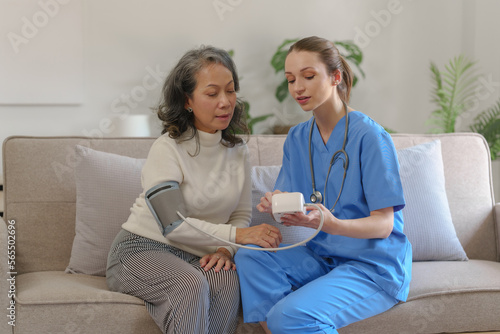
454	93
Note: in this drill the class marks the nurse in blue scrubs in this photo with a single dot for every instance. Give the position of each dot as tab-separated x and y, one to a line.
359	265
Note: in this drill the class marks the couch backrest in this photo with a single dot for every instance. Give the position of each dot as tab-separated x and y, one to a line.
40	192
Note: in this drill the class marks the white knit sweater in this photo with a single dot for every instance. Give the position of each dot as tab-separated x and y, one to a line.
215	184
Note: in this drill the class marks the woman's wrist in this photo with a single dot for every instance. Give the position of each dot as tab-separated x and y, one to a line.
237	235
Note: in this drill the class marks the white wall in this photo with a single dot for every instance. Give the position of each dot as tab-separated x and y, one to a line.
124	41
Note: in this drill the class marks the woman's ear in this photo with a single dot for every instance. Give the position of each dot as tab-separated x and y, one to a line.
187	102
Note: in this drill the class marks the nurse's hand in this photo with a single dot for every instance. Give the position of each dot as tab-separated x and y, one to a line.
312	219
266	203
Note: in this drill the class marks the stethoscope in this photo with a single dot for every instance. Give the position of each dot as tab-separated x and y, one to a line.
316	196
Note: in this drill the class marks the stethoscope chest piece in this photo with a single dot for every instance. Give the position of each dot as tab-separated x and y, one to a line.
316	197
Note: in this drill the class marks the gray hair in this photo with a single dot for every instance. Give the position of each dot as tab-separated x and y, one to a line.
180	85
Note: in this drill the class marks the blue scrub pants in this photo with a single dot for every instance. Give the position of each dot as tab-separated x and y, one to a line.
296	291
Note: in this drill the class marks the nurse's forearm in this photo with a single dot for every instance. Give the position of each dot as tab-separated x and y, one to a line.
378	225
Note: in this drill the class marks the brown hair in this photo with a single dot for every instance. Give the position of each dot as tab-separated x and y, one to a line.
331	57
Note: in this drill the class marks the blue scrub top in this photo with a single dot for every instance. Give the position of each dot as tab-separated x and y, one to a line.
372	182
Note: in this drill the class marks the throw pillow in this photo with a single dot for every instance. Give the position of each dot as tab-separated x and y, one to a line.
427	217
263	180
106	187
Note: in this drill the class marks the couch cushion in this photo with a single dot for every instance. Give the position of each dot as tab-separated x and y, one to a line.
57	287
76	304
427	217
107	185
434	278
445	296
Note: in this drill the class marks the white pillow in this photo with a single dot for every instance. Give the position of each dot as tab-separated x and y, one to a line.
427	217
106	187
263	180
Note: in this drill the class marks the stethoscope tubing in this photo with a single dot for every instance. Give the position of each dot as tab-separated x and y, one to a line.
316	195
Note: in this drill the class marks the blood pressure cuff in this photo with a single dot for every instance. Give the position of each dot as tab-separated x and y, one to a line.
164	200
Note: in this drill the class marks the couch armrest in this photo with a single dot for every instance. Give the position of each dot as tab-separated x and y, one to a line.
5	327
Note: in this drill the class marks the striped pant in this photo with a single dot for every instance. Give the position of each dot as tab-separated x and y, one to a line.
180	296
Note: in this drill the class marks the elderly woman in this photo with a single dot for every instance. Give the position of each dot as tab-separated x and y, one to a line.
186	278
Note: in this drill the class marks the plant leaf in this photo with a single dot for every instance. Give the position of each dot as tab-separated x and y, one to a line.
453	88
286	42
487	123
353	52
282	91
258	119
278	61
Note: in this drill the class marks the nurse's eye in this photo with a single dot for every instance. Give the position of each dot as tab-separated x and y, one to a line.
310	77
291	81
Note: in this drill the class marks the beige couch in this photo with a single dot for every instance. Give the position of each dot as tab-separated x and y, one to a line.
39	221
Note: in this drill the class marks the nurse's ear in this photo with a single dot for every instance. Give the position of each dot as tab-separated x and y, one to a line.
336	77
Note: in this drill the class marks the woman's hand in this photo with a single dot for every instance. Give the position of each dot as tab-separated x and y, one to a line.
266	202
220	259
264	235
